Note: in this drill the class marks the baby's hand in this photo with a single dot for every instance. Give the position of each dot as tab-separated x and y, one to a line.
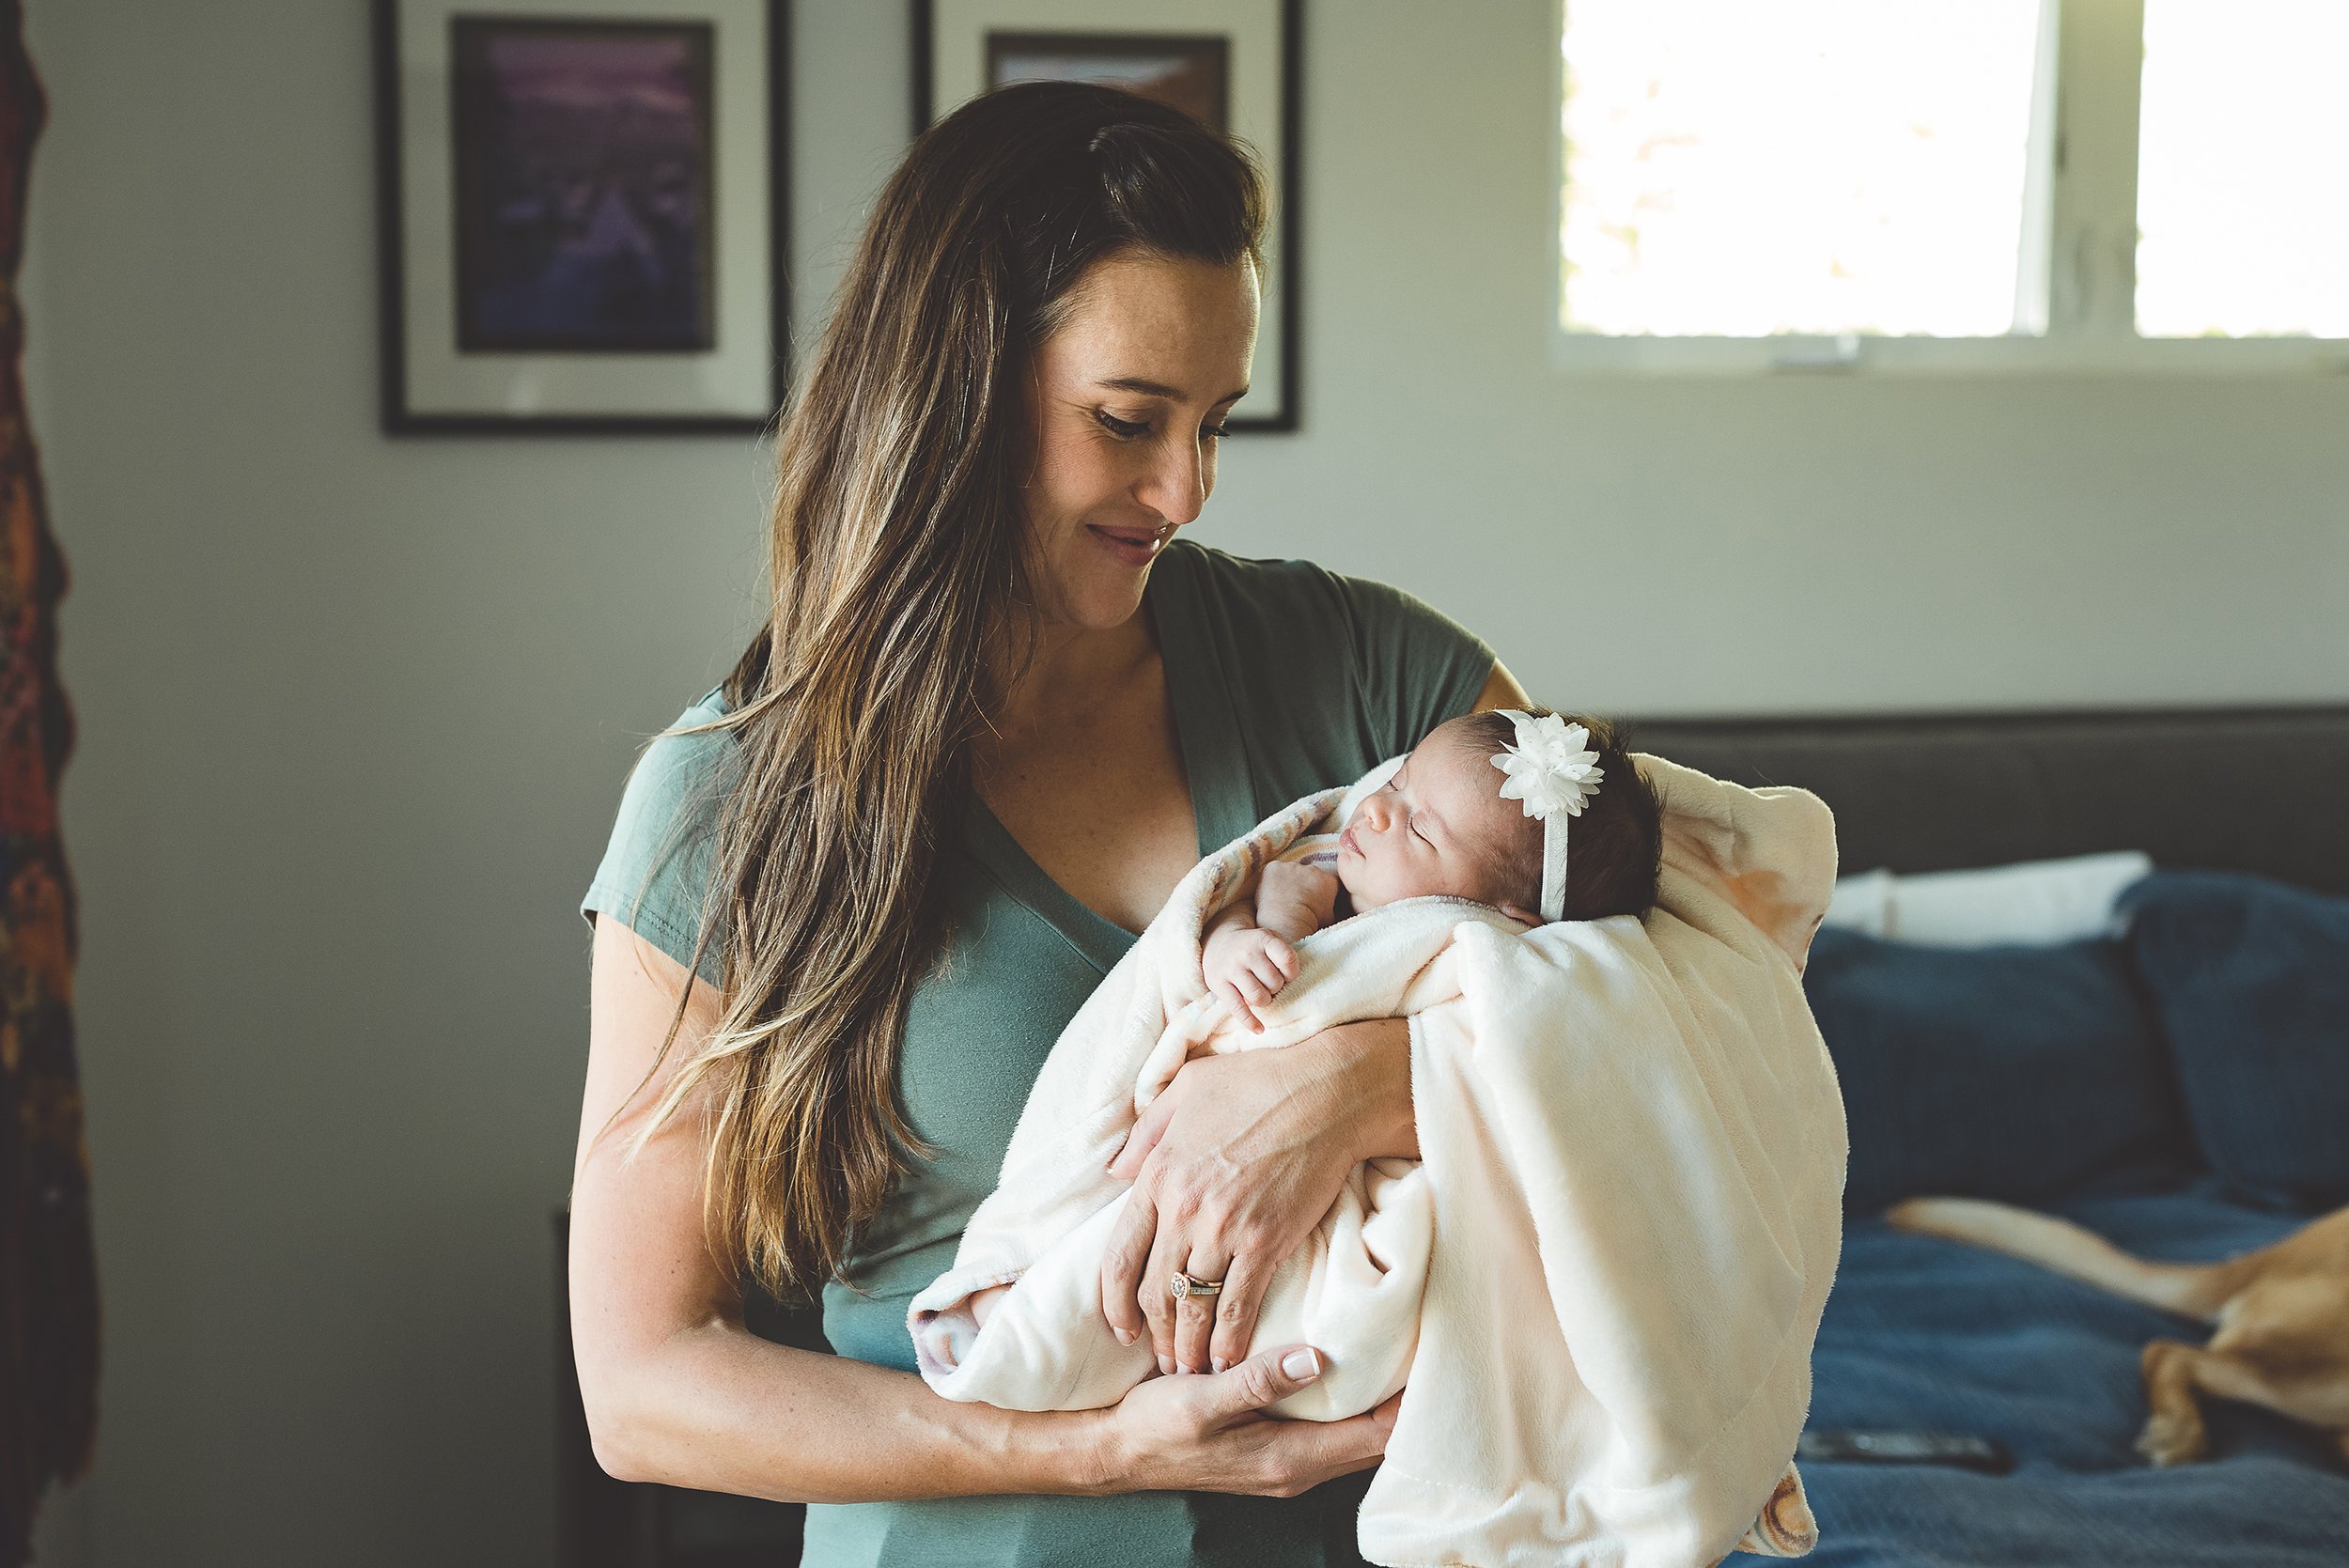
1247	965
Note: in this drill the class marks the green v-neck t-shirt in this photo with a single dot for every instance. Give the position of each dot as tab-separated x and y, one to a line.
1283	679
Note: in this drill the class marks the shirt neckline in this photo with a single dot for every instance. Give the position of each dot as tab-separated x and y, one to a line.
1207	734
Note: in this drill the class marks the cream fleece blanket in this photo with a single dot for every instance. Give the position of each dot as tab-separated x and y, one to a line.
1602	1278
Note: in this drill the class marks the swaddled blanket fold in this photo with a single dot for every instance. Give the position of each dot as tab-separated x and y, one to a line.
1599	1285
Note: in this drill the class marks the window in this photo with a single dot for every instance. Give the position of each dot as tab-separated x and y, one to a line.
1735	169
2242	197
1952	183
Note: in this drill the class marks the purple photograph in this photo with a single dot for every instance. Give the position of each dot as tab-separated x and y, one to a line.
582	186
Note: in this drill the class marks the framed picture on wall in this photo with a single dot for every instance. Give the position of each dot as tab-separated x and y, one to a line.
1232	64
584	215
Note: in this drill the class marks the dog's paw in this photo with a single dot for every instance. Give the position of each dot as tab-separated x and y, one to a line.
2168	1440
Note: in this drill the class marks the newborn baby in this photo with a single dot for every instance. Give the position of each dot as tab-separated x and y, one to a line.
1602	1278
1443	827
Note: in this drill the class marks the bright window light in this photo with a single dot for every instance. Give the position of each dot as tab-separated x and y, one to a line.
2243	140
1742	168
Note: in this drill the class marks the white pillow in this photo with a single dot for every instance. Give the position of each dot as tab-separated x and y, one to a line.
2035	902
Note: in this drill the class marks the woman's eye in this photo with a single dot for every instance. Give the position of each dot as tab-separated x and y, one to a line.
1128	429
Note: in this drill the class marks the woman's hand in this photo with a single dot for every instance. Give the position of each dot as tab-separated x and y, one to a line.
1233	1167
1211	1434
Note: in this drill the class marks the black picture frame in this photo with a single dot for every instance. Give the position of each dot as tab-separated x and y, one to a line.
1285	172
399	411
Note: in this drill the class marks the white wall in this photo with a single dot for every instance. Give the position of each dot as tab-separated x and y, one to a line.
354	712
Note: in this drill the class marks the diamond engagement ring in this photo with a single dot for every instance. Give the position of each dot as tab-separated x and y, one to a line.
1186	1285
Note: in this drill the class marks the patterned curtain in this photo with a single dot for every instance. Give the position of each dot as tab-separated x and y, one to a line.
48	1272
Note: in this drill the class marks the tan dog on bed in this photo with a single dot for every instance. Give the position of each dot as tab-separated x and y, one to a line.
2283	1314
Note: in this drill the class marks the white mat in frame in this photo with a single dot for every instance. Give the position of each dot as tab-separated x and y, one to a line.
736	384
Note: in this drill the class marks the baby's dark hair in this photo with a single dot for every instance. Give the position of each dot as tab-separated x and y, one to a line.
1616	849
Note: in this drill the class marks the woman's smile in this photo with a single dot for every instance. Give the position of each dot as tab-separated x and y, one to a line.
1134	546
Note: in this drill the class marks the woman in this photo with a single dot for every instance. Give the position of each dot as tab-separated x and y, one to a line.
996	713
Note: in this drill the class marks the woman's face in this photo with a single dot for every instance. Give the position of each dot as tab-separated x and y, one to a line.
1129	397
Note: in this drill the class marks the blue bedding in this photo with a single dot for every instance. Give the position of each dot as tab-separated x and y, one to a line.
1925	1334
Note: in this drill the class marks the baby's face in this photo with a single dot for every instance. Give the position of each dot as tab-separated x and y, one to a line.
1439	826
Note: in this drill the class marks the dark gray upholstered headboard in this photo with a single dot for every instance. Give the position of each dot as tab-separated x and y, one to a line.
2242	789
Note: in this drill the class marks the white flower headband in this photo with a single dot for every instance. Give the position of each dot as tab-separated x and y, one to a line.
1553	772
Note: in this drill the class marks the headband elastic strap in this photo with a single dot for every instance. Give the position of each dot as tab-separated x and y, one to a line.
1554	866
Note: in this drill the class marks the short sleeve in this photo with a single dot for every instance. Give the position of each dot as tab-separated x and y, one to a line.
655	874
1416	666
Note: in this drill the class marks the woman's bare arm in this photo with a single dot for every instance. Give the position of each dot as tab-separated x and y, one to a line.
676	1389
679	1390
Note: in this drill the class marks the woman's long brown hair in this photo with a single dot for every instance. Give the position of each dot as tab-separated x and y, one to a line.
900	578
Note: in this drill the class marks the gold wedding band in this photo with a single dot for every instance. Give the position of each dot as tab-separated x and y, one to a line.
1186	1284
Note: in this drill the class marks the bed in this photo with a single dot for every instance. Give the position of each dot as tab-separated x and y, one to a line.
1921	1334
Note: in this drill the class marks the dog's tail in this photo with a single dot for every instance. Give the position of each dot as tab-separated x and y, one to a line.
2194	1290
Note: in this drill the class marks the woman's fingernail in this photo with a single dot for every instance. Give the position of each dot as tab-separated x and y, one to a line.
1220	1364
1303	1365
1166	1366
1124	1336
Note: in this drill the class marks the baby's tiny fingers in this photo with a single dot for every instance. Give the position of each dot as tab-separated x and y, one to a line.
1238	1005
1283	956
